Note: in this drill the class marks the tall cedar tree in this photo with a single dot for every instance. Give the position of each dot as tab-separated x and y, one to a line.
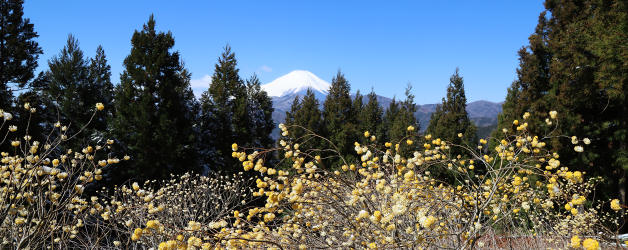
18	60
577	64
75	85
449	120
290	120
101	88
18	50
210	157
389	118
370	118
358	105
403	117
226	98
339	119
309	115
154	103
241	112
260	108
451	117
306	114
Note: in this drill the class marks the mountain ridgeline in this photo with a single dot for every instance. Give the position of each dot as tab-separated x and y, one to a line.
284	89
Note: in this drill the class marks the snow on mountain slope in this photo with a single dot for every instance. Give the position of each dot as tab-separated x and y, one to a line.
284	89
295	82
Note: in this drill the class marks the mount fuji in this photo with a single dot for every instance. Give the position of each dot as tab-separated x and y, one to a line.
284	89
295	82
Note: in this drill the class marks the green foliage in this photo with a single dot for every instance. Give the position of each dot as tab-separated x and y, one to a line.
154	104
18	60
260	108
358	104
389	118
74	85
370	118
100	87
399	119
305	114
339	117
577	64
291	117
19	52
234	111
225	98
451	118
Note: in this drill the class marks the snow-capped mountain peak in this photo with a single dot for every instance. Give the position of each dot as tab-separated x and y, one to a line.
295	82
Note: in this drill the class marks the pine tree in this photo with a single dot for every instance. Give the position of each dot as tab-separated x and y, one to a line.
370	118
75	85
309	114
339	117
227	98
451	118
261	113
357	104
389	118
18	50
576	63
100	88
68	88
529	92
154	104
309	117
404	118
291	118
210	157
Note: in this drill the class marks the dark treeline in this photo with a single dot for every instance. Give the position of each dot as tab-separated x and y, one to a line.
576	63
152	115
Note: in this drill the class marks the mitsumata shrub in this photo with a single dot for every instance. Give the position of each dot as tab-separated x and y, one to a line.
518	192
390	200
41	192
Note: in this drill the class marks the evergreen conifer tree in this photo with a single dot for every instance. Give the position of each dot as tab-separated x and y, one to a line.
154	104
357	105
309	114
404	118
75	85
100	88
389	119
339	117
261	114
309	117
370	118
208	142
451	118
291	117
68	87
577	64
227	98
18	49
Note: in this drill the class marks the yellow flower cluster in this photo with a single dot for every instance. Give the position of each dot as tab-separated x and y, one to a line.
42	187
415	194
615	205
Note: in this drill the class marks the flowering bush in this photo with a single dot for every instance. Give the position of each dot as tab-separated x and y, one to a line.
388	198
391	200
189	207
41	190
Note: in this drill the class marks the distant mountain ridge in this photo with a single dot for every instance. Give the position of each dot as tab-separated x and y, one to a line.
284	89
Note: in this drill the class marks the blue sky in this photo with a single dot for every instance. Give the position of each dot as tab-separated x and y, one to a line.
384	45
